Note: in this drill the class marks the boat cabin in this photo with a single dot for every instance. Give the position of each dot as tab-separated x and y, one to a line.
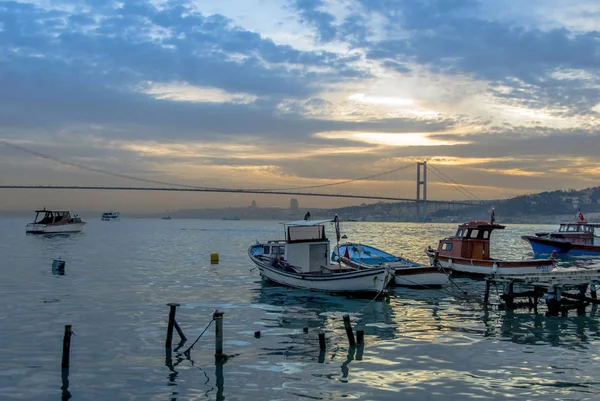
578	228
581	232
306	245
471	241
54	217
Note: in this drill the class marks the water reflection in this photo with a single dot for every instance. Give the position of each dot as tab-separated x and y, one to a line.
65	394
293	310
574	332
182	357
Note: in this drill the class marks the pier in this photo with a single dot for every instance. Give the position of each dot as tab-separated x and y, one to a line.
562	290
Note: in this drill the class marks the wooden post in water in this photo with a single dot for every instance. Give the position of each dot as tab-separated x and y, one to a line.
349	331
509	296
322	341
360	337
218	317
172	312
66	347
179	331
486	298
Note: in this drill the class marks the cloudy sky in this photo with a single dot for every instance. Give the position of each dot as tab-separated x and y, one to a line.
502	96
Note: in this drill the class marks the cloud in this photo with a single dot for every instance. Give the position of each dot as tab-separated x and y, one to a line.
457	37
306	87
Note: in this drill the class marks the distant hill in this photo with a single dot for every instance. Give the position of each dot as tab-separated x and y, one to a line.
544	207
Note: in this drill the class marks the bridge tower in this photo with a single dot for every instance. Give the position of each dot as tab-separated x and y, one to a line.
421	191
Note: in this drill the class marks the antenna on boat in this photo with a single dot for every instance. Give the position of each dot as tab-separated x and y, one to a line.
336	220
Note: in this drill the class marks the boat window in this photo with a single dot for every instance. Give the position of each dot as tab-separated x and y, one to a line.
266	250
275	250
446	246
486	234
473	233
562	228
571	228
459	233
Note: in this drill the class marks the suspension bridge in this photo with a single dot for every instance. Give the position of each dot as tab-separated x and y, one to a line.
421	201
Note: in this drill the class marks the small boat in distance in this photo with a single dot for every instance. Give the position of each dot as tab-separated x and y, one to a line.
580	238
167	217
301	260
406	272
468	252
54	221
108	216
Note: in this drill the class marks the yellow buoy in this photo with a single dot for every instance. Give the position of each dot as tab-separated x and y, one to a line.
214	258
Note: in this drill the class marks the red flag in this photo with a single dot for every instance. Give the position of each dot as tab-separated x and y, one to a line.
493	216
346	253
580	216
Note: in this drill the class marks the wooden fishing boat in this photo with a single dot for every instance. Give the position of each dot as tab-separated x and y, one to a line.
406	272
580	238
301	260
468	252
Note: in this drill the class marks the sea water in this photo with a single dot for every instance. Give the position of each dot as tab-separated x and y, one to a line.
419	344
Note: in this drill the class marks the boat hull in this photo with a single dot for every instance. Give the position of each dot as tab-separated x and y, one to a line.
373	280
422	276
406	273
547	245
54	229
430	277
479	267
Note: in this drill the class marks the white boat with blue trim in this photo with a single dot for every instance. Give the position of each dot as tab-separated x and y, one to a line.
301	260
406	272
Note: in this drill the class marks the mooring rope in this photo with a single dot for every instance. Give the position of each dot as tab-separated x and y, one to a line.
187	351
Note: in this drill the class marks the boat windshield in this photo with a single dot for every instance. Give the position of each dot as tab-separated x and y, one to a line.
50	217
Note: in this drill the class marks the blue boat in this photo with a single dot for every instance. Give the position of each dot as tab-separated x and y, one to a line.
580	239
406	272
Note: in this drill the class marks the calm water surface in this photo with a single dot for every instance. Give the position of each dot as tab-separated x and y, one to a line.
420	344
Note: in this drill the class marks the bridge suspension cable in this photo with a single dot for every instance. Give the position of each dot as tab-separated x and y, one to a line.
151	181
453	183
343	182
93	169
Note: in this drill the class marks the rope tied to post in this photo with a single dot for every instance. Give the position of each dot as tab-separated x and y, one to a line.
187	351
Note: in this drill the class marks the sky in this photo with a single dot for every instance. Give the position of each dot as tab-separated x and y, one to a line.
501	97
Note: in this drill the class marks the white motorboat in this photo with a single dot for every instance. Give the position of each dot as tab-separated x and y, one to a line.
54	221
301	260
109	216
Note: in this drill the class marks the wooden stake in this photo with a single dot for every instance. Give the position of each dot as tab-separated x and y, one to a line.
349	331
322	341
172	312
360	337
179	331
218	316
66	347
